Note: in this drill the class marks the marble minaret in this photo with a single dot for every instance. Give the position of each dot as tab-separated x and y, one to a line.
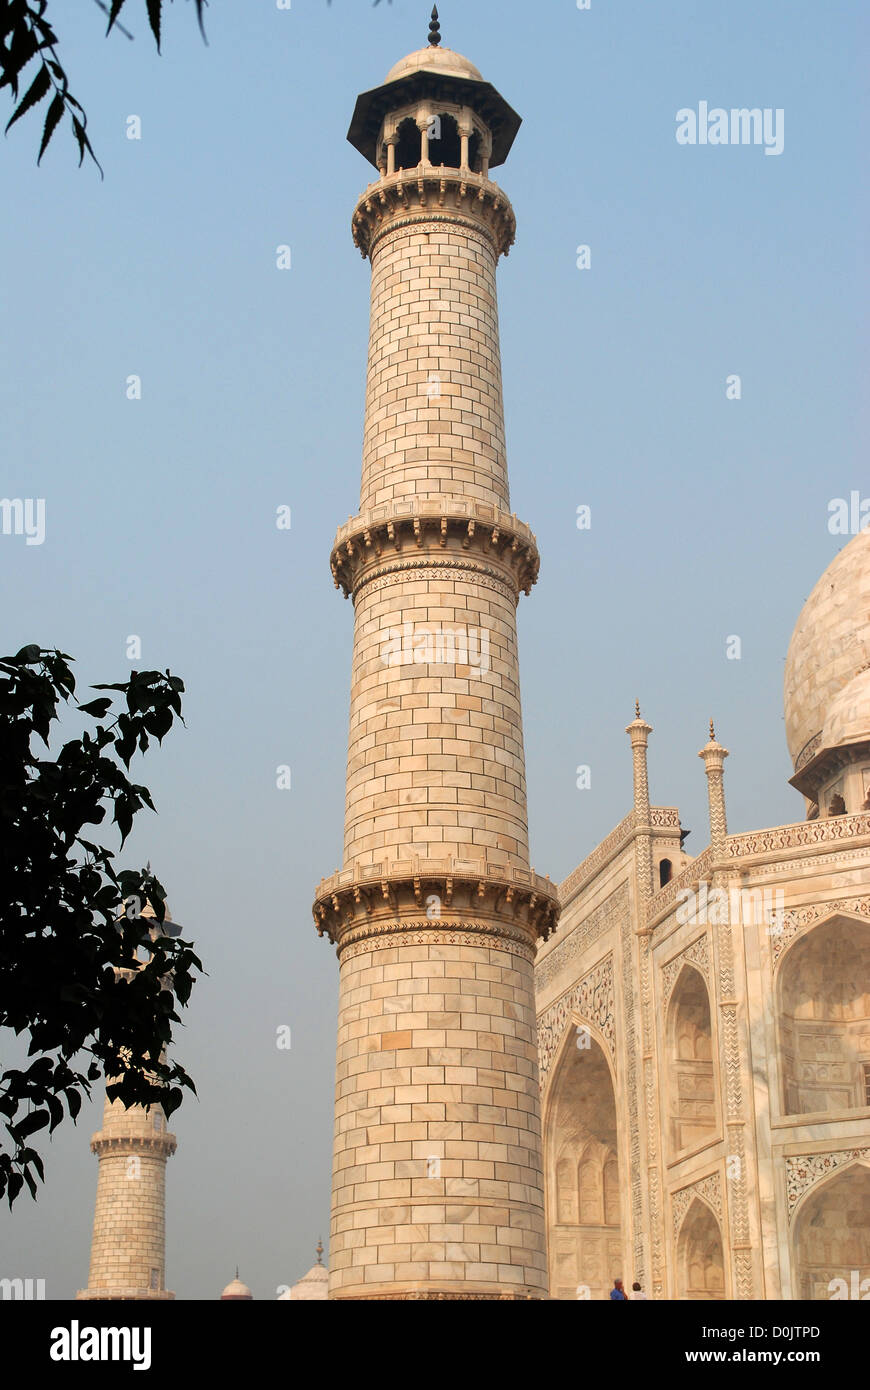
128	1259
436	913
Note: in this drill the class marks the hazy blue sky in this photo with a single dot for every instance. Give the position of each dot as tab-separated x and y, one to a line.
709	516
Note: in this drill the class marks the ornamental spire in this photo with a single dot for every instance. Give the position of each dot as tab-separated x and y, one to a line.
434	28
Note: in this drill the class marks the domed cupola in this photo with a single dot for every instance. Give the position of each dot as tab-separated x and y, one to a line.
827	687
434	114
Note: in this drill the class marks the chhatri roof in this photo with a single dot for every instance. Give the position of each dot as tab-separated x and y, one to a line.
436	74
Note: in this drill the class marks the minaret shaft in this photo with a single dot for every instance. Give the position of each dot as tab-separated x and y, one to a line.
128	1258
437	1174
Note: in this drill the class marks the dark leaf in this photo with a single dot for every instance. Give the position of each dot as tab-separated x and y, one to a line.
53	115
39	87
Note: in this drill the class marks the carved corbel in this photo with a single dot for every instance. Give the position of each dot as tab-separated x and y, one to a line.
443	540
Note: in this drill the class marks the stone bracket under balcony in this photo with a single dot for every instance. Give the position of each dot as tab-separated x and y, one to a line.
436	896
367	545
432	193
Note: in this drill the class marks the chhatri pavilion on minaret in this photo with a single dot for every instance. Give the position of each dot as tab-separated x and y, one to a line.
435	913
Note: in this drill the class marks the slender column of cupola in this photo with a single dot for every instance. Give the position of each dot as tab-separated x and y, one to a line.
435	914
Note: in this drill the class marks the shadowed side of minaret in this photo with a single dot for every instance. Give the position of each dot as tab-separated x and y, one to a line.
435	914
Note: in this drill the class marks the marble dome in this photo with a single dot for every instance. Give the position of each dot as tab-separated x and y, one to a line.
830	643
848	717
443	61
312	1285
236	1291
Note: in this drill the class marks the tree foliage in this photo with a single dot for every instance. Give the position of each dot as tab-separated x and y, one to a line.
82	973
27	36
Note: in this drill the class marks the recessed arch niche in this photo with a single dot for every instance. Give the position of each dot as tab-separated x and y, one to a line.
582	1166
823	1012
689	1049
700	1260
831	1239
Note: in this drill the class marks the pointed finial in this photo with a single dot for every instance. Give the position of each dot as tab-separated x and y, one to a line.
237	1271
434	28
712	733
320	1252
637	709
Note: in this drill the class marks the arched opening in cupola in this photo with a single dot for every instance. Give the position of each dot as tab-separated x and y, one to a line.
409	145
445	146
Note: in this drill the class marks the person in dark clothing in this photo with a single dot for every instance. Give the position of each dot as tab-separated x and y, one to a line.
618	1291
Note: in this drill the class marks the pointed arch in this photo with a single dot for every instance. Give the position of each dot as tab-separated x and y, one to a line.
409	146
700	1253
582	1152
831	1236
691	1086
823	1017
444	142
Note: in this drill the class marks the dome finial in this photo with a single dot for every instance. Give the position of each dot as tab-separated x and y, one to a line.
712	733
637	709
320	1252
434	28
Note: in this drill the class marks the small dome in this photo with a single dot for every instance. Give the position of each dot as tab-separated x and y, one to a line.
443	61
848	718
235	1289
830	643
314	1284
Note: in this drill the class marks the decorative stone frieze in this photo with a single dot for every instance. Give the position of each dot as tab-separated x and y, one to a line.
783	837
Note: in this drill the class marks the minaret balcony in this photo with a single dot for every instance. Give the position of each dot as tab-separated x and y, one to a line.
461	533
433	193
